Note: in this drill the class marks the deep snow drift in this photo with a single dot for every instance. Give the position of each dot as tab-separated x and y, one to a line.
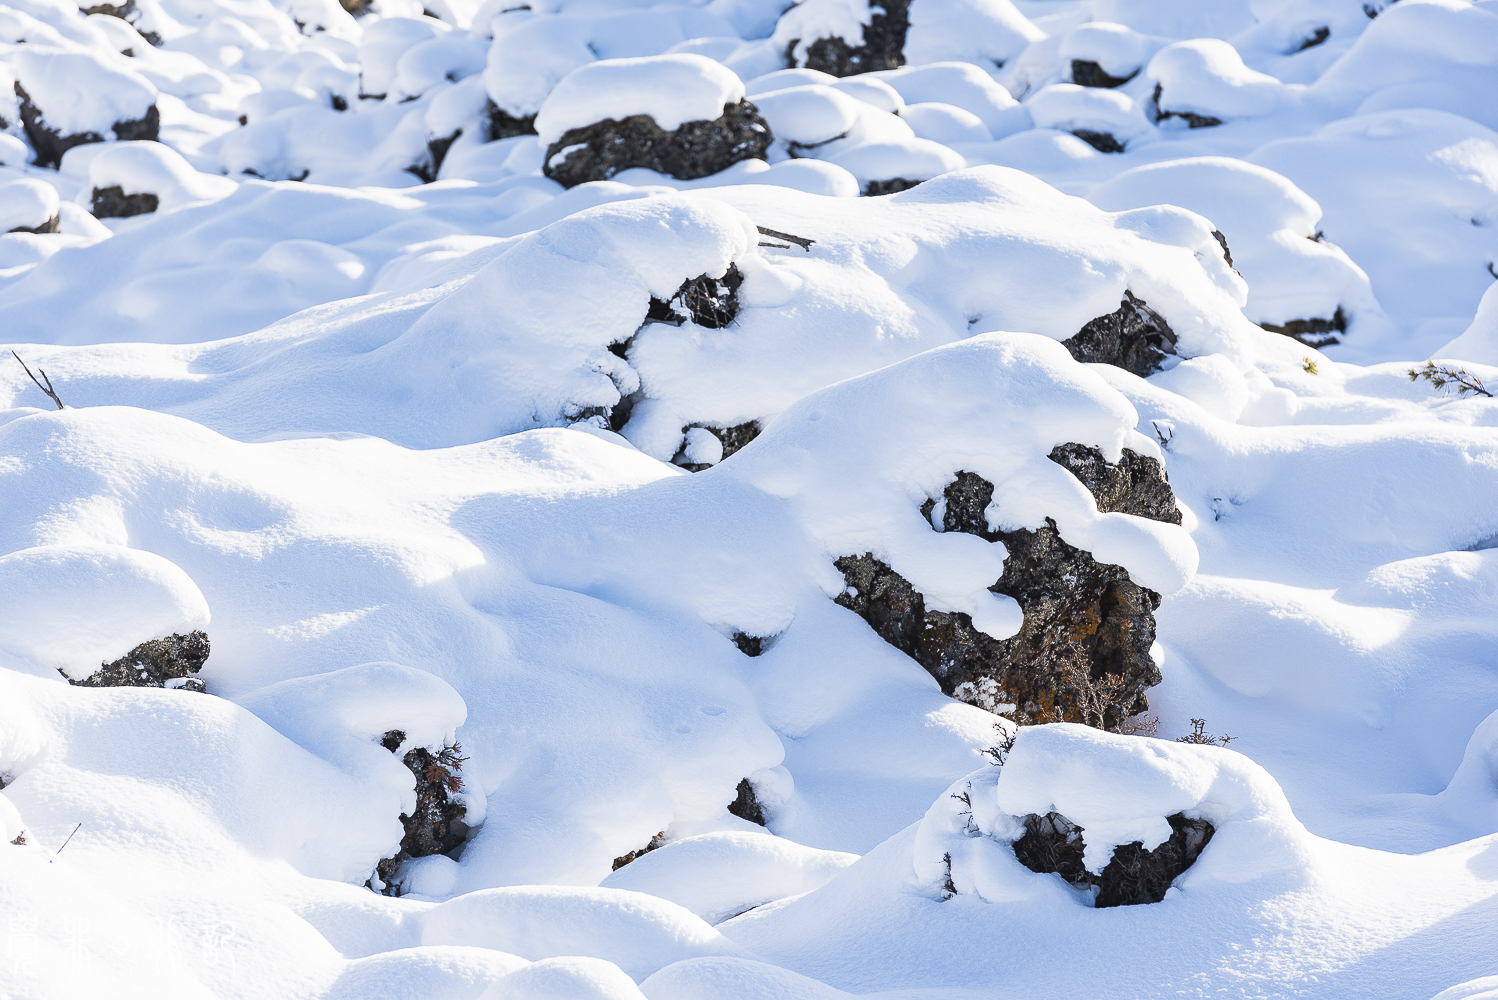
506	525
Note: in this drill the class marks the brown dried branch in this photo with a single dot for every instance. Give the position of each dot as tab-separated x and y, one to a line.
800	241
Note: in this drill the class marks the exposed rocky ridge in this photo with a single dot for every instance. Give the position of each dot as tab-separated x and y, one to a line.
1314	333
882	46
1086	73
436	825
1082	653
50	144
1054	844
156	663
1133	337
696	149
113	203
656	842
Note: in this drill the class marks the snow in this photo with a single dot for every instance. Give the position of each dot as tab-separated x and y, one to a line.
398	435
672	90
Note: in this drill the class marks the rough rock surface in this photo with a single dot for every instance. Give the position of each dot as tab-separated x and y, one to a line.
746	804
503	125
705	300
882	47
50	144
1052	843
114	203
733	438
1086	73
656	842
1315	333
436	825
697	149
1190	118
52	225
156	663
1082	653
1133	337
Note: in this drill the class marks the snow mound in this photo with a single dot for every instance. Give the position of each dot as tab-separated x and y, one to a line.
720	875
672	89
1207	78
152	168
76	604
639	933
27	204
1479	342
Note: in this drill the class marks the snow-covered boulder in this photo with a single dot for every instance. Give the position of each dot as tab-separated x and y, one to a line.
1204	82
28	206
1104	119
171	661
1101	54
683	115
137	178
1299	284
71	98
1119	817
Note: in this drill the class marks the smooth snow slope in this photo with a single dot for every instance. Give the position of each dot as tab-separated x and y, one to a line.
379	406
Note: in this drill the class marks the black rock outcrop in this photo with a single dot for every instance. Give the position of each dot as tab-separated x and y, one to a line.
873	189
155	663
1054	844
503	125
127	12
656	842
1082	652
50	144
746	804
113	203
882	46
1133	337
697	149
1192	119
1314	333
705	300
436	825
1086	73
1103	142
52	225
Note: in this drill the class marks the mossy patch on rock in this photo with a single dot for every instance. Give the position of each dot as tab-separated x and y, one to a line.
172	661
697	149
1082	652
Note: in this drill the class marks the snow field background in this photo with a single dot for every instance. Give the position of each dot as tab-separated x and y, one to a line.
346	407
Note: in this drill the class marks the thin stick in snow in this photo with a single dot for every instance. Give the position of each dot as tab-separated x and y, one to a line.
800	241
45	388
65	843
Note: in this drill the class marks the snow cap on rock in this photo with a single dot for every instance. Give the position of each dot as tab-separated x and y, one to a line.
672	90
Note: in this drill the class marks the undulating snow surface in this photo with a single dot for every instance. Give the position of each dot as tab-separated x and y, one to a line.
448	459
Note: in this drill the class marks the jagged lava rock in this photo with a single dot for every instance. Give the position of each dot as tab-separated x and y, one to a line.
156	663
68	99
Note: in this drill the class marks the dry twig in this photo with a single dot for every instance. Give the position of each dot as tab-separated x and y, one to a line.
800	241
45	388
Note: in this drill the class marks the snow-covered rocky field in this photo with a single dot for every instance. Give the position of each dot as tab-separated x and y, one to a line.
590	500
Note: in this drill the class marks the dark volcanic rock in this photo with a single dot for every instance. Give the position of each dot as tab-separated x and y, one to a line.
1103	142
127	12
746	804
882	46
1133	337
894	185
1082	653
656	843
1086	73
436	825
697	149
1054	844
1314	333
503	125
1190	118
114	203
749	645
50	144
705	300
154	663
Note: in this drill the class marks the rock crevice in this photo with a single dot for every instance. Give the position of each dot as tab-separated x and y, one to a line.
1054	844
